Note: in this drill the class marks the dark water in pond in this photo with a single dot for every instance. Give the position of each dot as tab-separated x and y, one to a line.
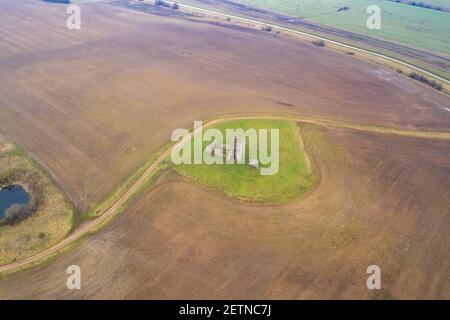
14	195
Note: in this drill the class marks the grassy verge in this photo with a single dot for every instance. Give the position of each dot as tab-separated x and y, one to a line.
103	206
148	183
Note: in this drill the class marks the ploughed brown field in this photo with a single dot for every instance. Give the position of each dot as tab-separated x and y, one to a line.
180	240
92	105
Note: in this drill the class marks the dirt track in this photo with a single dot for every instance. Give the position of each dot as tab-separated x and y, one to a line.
180	240
88	227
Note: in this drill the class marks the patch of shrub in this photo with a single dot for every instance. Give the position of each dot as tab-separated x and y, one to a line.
17	213
319	43
162	3
4	185
421	4
343	8
6	182
175	6
423	79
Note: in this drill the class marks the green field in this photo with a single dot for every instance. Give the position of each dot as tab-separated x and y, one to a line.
244	182
415	26
440	3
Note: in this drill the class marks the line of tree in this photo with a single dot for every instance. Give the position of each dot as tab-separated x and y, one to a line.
162	3
421	5
319	43
423	79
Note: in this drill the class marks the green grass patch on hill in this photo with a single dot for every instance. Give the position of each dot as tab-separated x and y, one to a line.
244	182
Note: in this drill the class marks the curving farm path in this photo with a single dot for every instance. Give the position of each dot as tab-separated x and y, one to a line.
87	227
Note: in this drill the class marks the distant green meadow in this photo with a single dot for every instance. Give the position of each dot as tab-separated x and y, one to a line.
411	25
244	182
439	3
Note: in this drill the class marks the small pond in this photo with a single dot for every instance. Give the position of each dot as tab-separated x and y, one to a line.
14	194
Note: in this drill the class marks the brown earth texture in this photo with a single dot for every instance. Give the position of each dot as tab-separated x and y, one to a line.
92	105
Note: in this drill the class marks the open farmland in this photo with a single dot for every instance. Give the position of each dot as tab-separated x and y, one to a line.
181	240
437	63
412	25
92	106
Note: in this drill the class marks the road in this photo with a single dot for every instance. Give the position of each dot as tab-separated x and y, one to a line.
276	27
87	227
